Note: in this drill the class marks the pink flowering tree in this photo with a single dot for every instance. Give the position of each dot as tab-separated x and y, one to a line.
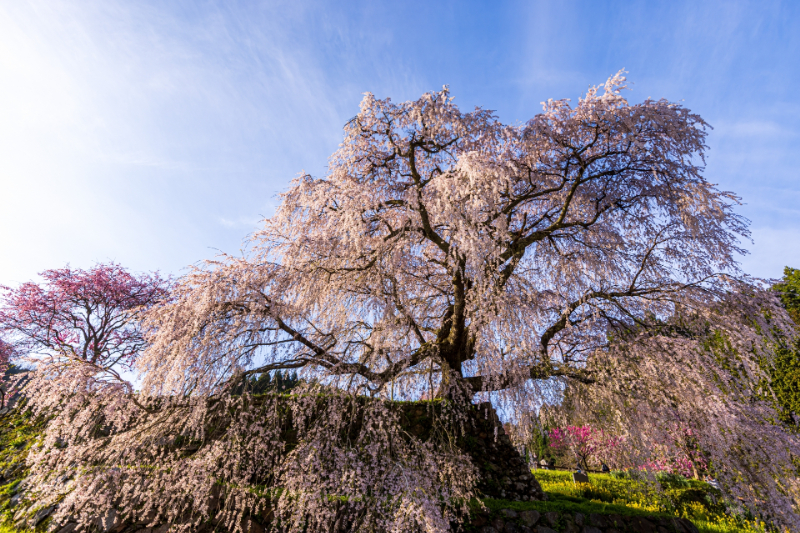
585	443
80	328
676	450
444	253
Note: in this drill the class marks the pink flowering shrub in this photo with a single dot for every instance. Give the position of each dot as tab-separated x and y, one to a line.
681	455
585	443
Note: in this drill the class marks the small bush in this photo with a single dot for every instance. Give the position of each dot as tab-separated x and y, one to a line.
672	480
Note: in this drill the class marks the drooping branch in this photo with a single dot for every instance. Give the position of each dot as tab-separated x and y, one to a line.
438	234
535	372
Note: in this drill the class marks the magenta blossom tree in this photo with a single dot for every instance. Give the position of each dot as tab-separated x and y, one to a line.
680	454
584	442
81	322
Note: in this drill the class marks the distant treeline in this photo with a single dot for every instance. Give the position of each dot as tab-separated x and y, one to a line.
278	381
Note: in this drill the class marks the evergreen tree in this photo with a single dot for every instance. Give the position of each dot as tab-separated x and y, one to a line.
785	372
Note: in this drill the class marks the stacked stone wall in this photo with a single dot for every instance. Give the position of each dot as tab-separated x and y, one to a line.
504	474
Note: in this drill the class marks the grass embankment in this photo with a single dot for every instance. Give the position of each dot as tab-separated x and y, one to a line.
17	434
607	494
604	494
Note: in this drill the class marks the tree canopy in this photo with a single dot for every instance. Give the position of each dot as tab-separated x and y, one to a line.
446	244
80	324
581	253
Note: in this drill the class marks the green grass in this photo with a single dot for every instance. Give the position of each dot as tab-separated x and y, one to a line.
605	494
569	506
17	434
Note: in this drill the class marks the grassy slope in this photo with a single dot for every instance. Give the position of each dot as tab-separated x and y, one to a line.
604	494
17	435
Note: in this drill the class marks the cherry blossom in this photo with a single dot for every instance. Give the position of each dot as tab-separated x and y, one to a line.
584	442
82	315
580	257
448	243
79	330
693	398
7	352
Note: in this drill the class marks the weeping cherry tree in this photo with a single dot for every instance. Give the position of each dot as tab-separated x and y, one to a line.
444	254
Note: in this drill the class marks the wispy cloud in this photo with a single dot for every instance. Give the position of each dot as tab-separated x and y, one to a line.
754	129
149	132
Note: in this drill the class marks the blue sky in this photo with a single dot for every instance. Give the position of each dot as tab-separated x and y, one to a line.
156	133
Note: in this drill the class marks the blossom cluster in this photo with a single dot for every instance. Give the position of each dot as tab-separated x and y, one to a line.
584	442
302	462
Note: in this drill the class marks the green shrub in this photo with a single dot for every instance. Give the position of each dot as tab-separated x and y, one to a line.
672	480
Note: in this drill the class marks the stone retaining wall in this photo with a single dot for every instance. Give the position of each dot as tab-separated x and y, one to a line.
504	474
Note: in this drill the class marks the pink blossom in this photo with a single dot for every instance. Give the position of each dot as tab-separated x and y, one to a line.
82	315
584	442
